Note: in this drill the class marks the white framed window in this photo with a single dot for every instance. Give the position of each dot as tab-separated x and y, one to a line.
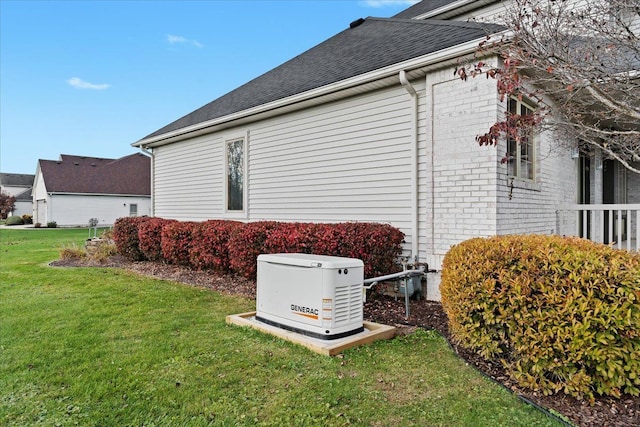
133	209
521	156
235	175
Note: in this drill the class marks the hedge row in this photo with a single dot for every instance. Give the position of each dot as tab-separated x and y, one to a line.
150	237
125	236
562	314
210	246
230	246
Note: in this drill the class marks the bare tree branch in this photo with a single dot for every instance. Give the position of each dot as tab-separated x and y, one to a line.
585	58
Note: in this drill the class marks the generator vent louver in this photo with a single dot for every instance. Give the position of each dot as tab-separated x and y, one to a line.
348	303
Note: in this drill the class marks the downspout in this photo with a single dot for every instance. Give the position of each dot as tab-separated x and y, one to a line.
414	164
150	153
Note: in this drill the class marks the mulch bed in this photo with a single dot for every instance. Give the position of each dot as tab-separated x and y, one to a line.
387	310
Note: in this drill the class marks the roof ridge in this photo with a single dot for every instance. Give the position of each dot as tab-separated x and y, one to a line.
132	155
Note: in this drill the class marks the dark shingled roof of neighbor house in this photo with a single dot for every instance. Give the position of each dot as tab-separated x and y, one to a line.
374	44
130	175
25	196
16	179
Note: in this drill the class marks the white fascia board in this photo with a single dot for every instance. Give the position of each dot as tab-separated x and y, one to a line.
415	63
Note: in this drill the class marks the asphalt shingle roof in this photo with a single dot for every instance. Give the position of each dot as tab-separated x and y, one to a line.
90	175
25	196
374	44
16	179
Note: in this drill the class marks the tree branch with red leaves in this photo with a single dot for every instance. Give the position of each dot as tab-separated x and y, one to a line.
580	64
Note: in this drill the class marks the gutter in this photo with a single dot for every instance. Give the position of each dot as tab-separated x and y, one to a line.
415	64
402	75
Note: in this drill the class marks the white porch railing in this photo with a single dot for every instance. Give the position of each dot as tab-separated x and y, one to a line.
615	225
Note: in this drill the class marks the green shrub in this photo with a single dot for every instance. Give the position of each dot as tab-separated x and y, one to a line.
14	220
52	224
562	314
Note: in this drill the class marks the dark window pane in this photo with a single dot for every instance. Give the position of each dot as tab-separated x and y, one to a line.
235	175
512	153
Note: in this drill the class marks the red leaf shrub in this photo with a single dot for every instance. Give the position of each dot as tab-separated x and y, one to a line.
210	245
245	244
125	236
292	237
150	237
233	246
377	245
332	239
176	241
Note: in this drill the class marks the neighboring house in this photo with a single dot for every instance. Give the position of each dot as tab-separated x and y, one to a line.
74	189
373	125
18	185
24	203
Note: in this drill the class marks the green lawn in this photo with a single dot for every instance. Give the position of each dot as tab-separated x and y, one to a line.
104	347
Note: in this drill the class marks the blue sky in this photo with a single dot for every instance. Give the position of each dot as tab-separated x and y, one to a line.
91	77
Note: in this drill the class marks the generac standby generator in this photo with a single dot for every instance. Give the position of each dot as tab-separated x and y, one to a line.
315	295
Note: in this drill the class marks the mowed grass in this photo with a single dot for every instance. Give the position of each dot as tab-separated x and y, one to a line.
105	347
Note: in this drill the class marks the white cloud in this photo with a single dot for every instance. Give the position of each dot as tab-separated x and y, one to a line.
172	39
384	3
78	83
175	39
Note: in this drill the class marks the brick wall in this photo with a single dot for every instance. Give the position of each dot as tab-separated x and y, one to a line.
530	207
467	189
463	186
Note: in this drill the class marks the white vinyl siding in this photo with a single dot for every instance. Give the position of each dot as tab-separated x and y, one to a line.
22	208
347	160
77	210
189	179
344	161
40	197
